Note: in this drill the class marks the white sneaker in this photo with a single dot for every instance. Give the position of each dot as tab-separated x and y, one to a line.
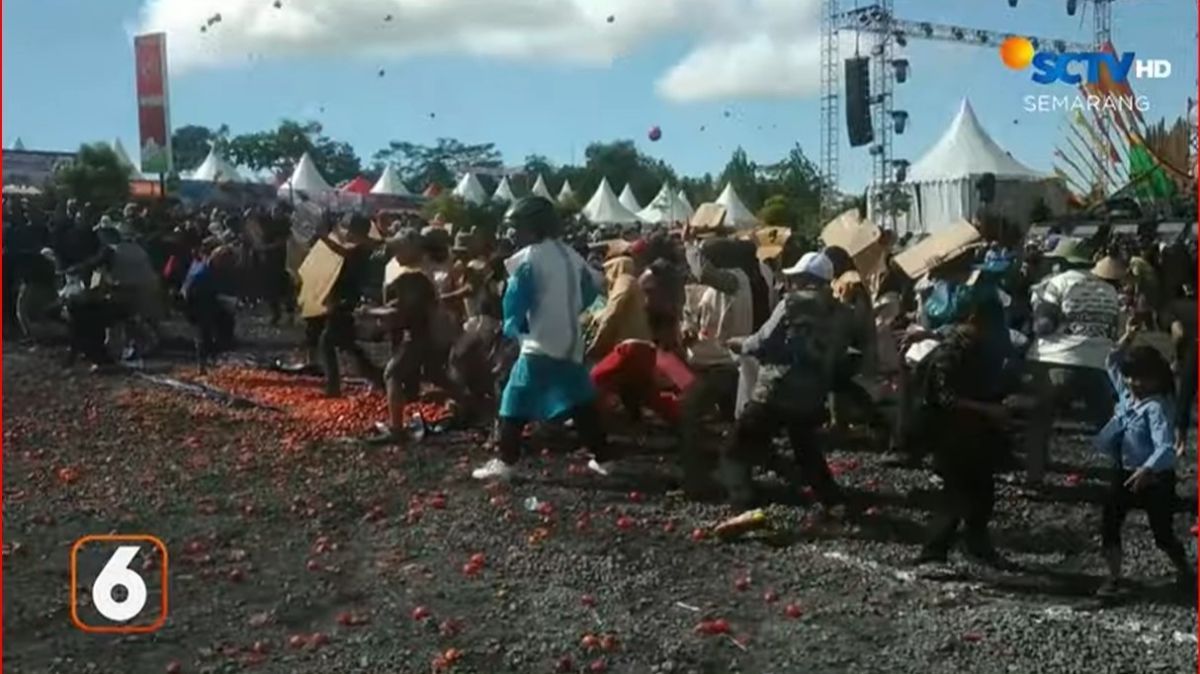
603	469
494	469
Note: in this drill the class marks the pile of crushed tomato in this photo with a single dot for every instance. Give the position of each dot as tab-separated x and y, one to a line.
310	414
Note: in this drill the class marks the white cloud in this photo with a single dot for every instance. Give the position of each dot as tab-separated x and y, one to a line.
739	48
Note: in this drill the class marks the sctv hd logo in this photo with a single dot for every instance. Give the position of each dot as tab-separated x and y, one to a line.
1075	68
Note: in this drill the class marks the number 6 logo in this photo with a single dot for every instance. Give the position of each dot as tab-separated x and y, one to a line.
117	574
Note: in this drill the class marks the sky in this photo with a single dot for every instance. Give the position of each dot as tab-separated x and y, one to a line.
543	76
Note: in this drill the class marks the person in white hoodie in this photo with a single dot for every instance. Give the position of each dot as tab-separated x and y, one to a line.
549	288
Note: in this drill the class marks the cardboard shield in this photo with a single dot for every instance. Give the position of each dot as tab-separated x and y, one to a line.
942	246
318	274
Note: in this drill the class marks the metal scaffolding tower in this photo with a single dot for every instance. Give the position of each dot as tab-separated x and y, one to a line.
1102	21
830	123
890	32
884	105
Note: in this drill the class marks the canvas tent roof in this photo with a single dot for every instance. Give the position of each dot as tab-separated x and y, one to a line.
306	179
605	209
966	150
629	200
687	205
215	169
469	190
504	192
664	209
540	189
119	148
390	184
567	192
360	186
18	144
736	213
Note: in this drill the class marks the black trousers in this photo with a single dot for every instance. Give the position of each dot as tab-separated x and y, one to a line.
1186	375
968	500
587	423
87	321
1157	499
752	445
212	323
337	334
715	390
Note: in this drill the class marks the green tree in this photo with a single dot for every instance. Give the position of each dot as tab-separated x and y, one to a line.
484	219
191	143
441	163
797	178
777	211
96	176
699	190
278	151
743	174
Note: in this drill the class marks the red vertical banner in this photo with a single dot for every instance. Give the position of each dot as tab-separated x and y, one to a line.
154	122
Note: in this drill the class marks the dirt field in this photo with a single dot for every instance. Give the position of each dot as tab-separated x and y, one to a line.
331	557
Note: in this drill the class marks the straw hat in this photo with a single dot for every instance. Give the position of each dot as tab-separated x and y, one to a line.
770	241
1110	269
1069	250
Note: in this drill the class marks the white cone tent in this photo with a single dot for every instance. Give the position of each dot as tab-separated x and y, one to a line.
736	213
628	200
605	209
18	144
214	169
664	209
306	179
687	205
119	149
469	190
942	183
389	184
566	193
540	189
504	193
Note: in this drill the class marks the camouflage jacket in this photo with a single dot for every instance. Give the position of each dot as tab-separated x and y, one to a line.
798	348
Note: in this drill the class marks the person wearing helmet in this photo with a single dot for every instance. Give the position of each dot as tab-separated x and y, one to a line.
550	286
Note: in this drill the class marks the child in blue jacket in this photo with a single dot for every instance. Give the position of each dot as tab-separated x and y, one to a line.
1140	439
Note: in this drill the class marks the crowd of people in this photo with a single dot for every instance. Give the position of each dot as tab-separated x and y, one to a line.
965	368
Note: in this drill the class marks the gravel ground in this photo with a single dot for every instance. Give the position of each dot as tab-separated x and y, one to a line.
271	544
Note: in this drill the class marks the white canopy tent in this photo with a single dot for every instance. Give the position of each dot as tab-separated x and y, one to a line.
122	156
389	184
306	180
942	184
504	192
629	200
664	209
215	169
566	193
605	209
736	213
541	190
687	205
470	190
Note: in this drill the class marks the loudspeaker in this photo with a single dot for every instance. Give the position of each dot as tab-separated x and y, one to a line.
858	104
986	187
